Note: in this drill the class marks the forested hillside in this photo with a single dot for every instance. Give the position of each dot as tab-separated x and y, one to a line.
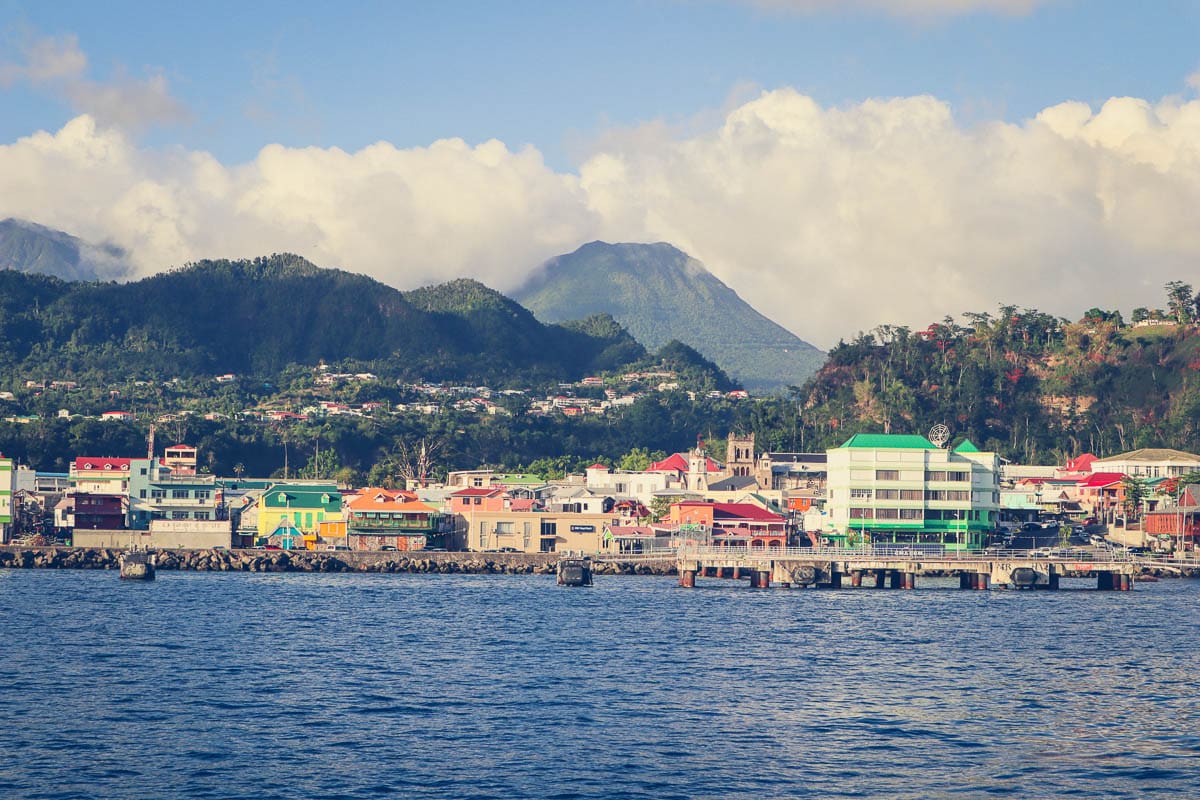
1034	387
260	316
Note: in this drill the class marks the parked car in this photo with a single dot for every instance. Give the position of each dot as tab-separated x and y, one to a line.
387	547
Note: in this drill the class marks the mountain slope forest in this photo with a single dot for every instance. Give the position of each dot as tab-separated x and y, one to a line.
1033	387
262	315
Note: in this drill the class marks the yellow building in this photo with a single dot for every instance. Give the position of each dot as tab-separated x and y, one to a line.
536	531
298	507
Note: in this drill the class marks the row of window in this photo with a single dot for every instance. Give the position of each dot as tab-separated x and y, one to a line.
910	494
176	494
930	475
918	514
181	515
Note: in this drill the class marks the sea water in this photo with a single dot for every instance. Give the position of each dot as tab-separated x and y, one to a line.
237	685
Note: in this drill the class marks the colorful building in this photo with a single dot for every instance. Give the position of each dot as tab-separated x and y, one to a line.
6	498
382	518
902	489
299	506
729	524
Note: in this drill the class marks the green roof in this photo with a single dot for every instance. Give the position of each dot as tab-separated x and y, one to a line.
893	441
967	446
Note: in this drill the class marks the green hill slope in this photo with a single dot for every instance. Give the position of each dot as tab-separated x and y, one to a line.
260	316
658	294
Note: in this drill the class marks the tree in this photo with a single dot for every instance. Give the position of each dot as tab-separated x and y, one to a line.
1140	313
1135	493
1181	302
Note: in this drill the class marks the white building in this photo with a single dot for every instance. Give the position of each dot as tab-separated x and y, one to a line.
898	489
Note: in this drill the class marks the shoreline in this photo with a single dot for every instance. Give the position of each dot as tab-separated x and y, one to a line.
388	562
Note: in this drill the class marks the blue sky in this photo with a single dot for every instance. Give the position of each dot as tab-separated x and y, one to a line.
840	163
556	75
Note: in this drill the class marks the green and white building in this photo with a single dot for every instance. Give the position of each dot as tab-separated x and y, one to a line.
904	490
6	493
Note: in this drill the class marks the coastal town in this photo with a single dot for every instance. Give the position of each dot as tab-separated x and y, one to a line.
876	490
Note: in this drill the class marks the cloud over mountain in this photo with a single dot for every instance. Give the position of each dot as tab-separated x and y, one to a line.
828	220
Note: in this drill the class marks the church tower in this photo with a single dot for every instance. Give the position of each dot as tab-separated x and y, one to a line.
739	455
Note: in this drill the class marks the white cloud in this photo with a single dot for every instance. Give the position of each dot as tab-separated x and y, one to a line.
829	220
56	64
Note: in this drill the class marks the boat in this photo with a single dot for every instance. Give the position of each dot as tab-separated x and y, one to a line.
574	571
137	565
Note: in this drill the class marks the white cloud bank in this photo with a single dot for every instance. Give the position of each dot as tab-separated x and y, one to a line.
829	220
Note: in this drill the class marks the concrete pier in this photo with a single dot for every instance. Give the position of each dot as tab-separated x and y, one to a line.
895	569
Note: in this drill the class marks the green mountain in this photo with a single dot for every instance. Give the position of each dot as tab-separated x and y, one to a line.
264	315
659	293
29	247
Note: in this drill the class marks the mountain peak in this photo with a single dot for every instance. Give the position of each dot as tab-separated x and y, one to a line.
27	246
660	293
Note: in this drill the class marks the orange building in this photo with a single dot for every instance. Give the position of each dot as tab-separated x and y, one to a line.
384	519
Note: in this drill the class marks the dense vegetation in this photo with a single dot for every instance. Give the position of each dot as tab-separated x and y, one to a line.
258	317
1033	387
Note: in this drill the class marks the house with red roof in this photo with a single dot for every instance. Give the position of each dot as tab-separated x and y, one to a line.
1102	491
379	519
731	524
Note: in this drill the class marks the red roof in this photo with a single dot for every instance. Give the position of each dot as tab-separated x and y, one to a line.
1100	479
598	465
84	463
1081	463
736	511
477	491
678	462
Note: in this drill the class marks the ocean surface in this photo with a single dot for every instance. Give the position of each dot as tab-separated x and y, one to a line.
218	685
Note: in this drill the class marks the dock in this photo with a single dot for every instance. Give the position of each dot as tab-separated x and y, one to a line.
892	568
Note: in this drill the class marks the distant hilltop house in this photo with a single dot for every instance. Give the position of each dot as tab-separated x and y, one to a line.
116	415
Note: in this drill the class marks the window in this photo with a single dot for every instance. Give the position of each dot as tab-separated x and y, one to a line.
911	513
887	513
912	494
143	470
862	513
179	515
504	528
158	494
477	501
860	494
142	494
201	515
203	494
887	494
935	475
887	474
179	494
958	476
947	494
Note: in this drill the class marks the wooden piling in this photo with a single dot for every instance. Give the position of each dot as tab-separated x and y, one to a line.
687	578
856	578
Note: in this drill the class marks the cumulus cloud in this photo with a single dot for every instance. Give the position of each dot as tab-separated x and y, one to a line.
829	220
900	8
57	64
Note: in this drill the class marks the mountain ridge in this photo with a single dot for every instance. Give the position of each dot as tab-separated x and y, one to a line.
645	286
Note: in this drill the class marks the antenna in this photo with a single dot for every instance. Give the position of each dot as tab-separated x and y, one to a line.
939	434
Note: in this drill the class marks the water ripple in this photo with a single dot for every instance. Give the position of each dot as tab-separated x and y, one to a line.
353	686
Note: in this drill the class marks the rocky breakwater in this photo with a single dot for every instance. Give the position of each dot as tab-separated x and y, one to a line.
439	563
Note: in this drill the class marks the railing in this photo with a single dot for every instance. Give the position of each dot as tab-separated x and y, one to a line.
900	553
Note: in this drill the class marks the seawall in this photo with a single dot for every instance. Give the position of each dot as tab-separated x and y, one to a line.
444	563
